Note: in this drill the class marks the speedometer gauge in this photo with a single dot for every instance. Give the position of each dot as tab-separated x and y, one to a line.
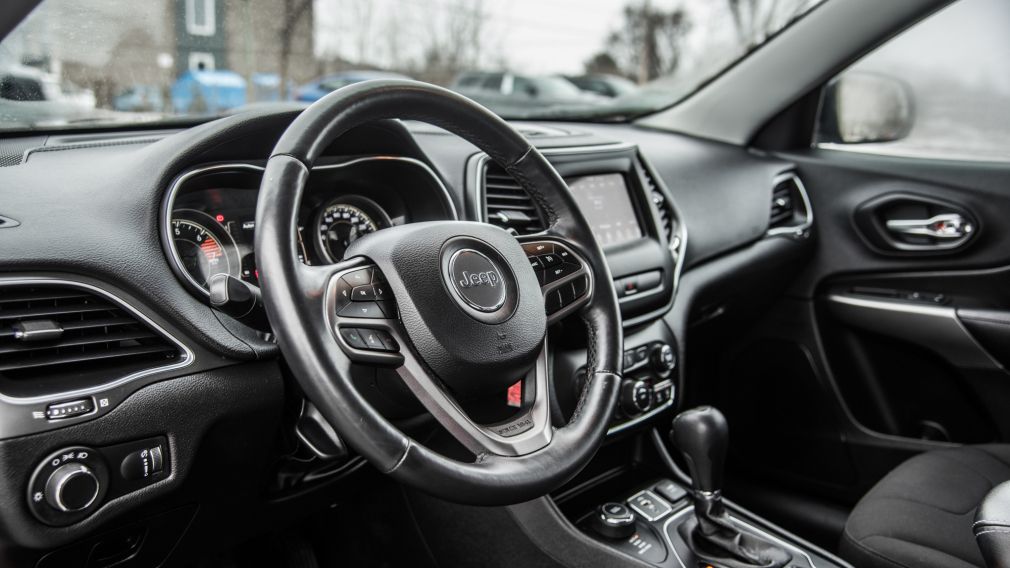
344	221
205	248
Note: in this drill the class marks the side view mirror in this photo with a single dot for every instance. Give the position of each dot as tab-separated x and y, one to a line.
860	108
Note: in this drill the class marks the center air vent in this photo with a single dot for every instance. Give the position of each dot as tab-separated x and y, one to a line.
668	223
790	210
508	205
53	332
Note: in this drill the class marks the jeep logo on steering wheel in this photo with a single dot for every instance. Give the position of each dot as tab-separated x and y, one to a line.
477	280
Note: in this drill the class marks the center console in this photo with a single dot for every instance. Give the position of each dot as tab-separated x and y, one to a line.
664	523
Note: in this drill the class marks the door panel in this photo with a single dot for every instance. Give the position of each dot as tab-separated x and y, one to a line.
905	350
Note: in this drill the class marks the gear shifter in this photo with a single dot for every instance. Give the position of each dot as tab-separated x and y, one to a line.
702	435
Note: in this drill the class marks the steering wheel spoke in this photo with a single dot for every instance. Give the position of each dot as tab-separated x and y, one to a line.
530	429
564	275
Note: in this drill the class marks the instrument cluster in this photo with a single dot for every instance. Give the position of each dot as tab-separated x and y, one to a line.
211	221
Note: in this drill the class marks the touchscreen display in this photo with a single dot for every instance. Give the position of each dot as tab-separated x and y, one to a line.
605	202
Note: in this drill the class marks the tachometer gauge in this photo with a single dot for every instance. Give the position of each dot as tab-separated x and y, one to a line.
205	248
344	221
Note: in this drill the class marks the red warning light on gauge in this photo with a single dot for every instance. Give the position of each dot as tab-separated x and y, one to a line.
220	218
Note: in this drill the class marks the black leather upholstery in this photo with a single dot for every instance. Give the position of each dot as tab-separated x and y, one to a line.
921	514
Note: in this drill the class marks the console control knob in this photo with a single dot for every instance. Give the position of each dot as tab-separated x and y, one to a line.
636	397
614	520
664	360
72	487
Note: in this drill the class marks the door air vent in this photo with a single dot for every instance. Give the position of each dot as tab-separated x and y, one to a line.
56	332
790	208
507	204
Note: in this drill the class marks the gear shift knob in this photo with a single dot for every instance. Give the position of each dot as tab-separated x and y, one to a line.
702	435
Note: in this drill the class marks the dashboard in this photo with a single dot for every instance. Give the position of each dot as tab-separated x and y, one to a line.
135	224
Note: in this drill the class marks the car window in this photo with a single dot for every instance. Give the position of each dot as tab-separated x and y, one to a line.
939	90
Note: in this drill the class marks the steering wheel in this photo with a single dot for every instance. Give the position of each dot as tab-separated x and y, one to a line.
459	309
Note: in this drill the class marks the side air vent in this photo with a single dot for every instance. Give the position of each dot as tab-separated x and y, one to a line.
58	331
508	205
790	210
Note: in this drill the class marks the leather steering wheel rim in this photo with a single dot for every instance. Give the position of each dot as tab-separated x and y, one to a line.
294	293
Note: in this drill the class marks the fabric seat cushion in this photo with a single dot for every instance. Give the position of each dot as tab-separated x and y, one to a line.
920	514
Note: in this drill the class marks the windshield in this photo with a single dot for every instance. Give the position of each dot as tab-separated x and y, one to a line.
114	62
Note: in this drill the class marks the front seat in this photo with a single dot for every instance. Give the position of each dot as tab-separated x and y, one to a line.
921	514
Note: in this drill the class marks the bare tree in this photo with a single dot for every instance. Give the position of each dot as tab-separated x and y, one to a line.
361	17
294	11
647	44
455	40
755	20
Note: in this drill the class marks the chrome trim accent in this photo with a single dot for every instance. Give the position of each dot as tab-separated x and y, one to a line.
795	230
58	490
739	523
935	327
455	287
186	359
176	185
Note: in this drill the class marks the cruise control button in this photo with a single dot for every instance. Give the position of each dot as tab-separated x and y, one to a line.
532	249
535	263
367	310
363	293
353	337
550	260
567	256
359	277
558	272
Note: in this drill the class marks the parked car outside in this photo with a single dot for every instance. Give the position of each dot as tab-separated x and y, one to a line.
318	88
609	86
511	93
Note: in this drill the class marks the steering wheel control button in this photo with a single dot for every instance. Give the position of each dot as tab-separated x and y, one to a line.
549	260
580	286
558	271
353	337
534	249
68	485
649	505
363	293
567	257
365	310
358	277
70	409
477	280
142	464
372	340
614	520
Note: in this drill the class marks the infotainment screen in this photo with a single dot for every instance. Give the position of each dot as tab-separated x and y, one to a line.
605	202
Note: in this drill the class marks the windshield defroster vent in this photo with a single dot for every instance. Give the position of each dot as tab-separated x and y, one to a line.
58	331
507	204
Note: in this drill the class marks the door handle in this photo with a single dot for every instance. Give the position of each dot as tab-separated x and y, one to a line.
943	226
